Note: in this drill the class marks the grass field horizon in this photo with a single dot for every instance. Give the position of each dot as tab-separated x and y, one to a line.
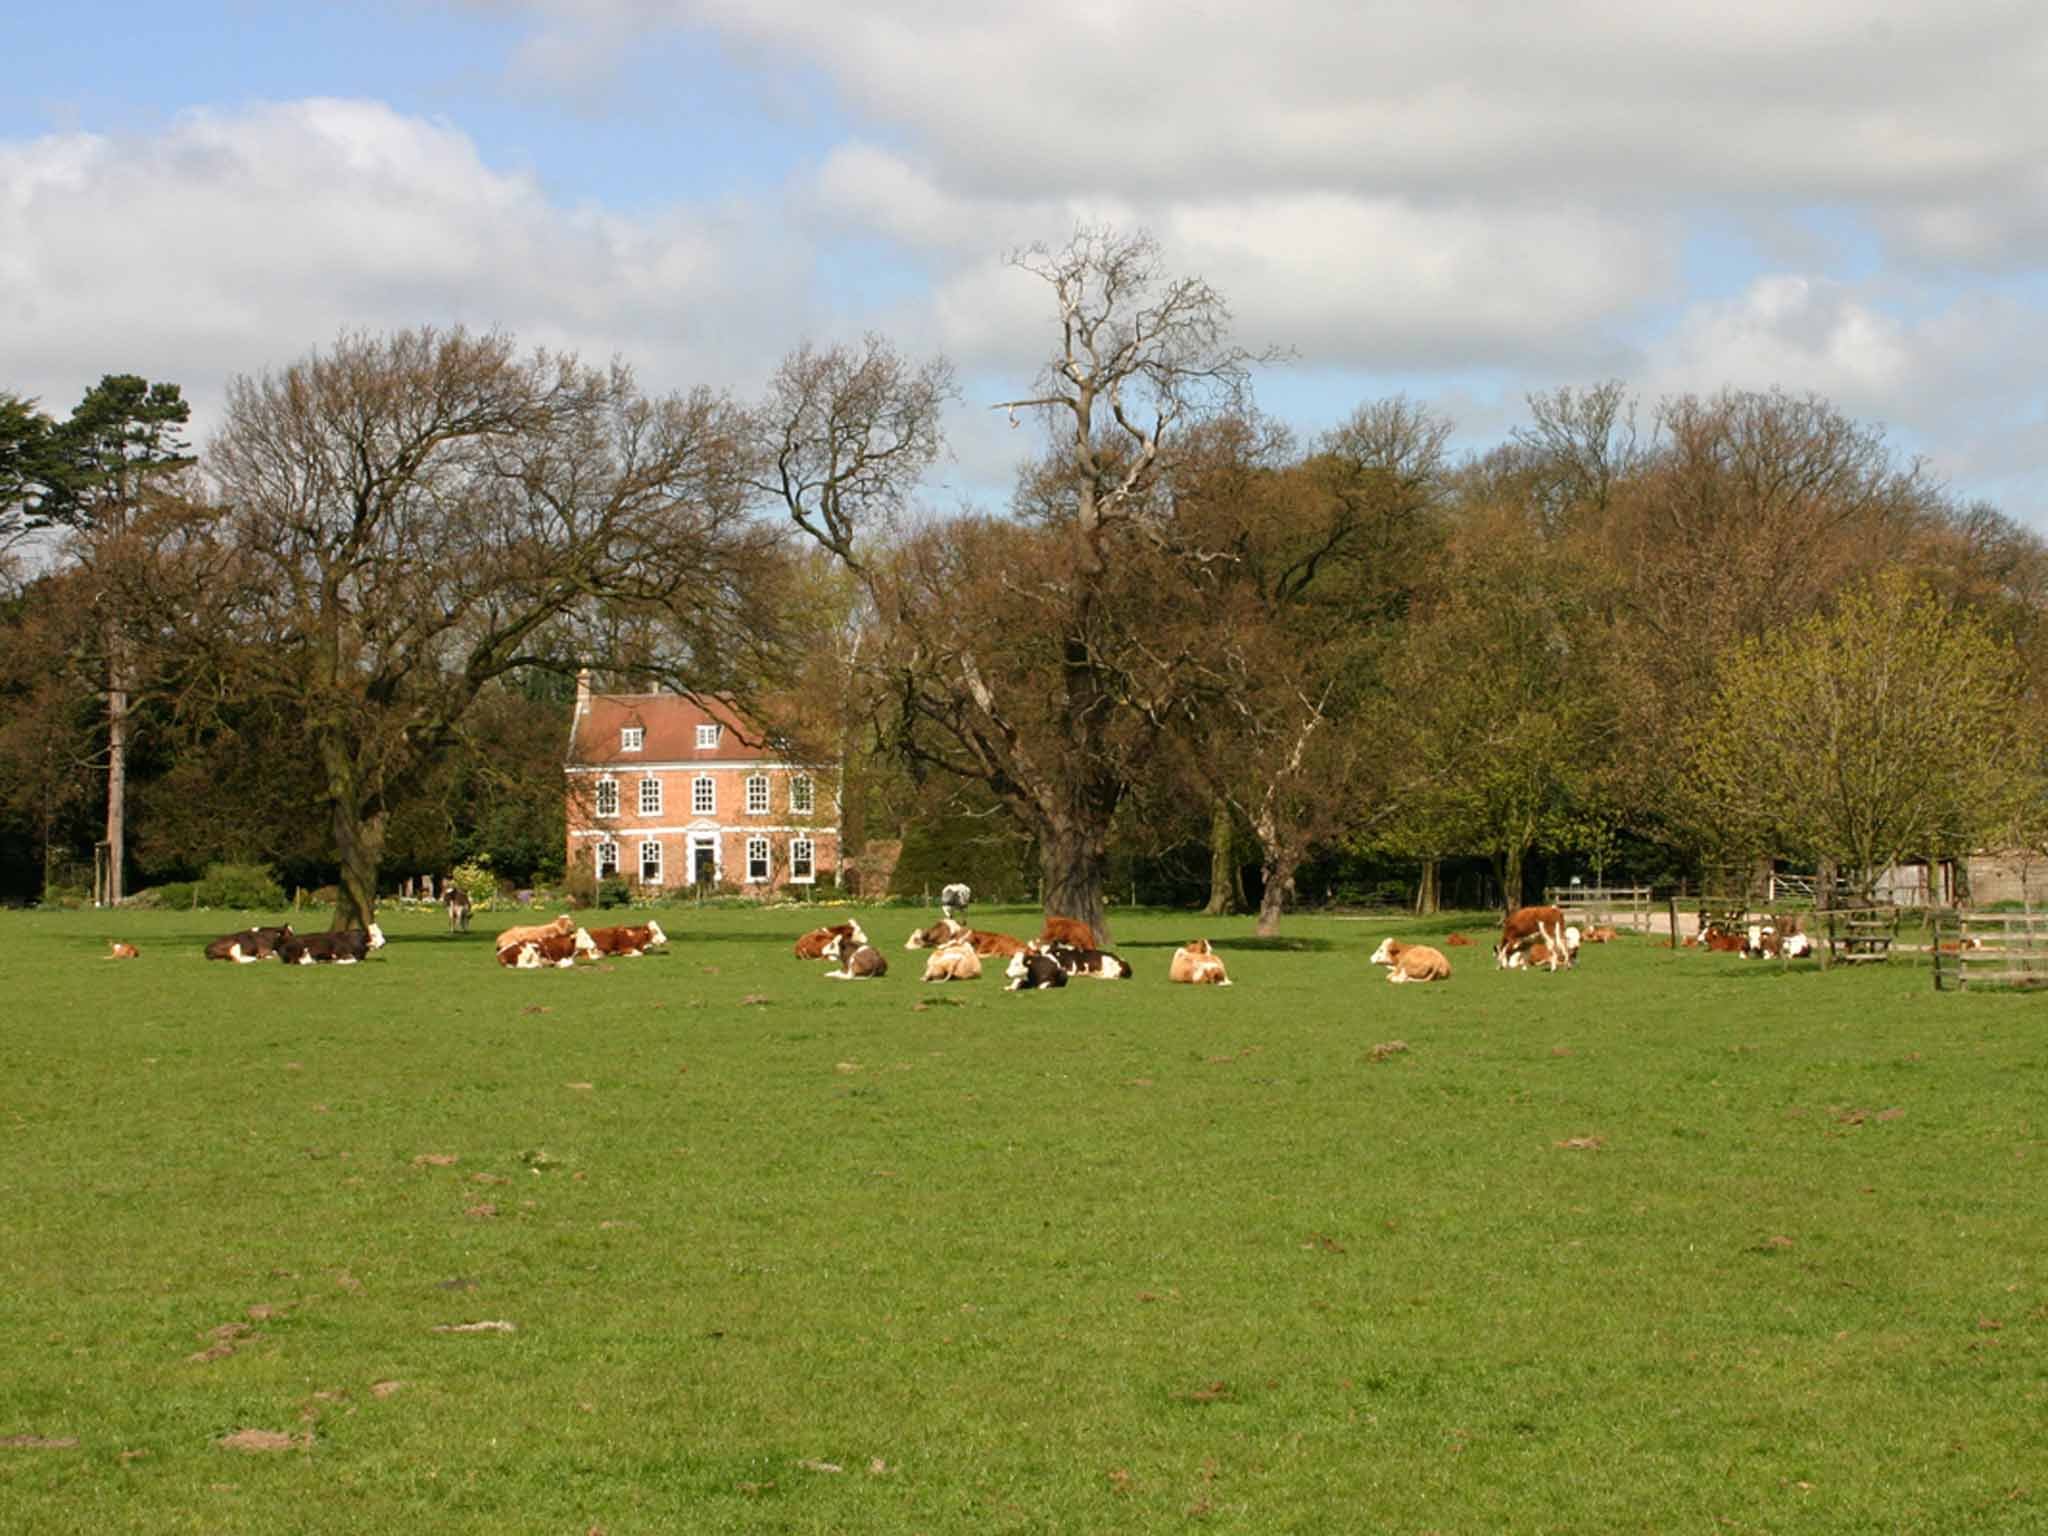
1673	1242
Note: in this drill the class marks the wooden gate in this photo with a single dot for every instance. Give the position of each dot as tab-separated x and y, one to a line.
1989	949
1859	935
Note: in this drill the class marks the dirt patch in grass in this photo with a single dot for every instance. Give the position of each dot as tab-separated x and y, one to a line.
256	1441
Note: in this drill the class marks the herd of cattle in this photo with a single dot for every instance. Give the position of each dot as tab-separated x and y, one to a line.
1531	938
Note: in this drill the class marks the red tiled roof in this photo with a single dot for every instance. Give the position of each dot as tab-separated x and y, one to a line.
670	721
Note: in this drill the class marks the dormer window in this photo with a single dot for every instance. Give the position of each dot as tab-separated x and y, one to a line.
632	738
707	738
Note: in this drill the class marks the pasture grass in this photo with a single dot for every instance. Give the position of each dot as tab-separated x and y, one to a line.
1672	1243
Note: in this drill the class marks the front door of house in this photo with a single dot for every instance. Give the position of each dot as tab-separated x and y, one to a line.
703	861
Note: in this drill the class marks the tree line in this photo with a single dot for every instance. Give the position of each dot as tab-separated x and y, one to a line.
1704	630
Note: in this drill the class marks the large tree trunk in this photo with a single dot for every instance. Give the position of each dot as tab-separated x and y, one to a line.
117	770
1074	860
1222	862
1511	876
1429	890
359	845
1279	891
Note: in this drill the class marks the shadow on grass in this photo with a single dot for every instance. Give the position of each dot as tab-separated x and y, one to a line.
1285	946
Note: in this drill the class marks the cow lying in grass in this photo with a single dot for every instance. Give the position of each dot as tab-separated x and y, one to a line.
512	938
1031	969
344	946
1411	962
1066	930
556	949
116	950
956	961
249	945
815	944
944	931
1090	962
858	960
1197	964
627	943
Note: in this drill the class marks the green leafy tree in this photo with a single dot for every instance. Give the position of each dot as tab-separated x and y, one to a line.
1889	729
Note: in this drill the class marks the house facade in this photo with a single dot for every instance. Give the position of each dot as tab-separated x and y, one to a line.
669	791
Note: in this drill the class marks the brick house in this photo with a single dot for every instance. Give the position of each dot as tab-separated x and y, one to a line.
669	791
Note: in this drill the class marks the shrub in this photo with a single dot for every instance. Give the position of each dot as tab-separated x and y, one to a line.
614	892
475	877
249	886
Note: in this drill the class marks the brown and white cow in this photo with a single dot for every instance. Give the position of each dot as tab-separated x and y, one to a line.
556	949
858	960
944	931
512	938
1527	926
953	962
1197	964
1067	930
627	943
815	944
999	944
116	950
1411	962
459	906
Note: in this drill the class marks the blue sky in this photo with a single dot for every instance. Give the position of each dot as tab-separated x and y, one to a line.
1461	202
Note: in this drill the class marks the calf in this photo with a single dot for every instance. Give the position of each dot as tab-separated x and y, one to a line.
457	901
116	950
1031	969
626	943
1530	925
816	944
1457	941
512	938
1720	941
944	931
953	962
1411	962
1066	930
250	945
1090	962
1198	965
344	946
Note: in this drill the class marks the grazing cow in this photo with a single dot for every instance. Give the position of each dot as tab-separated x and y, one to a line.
1090	962
816	944
1530	925
944	931
1067	930
512	938
344	946
1196	963
999	944
1456	941
459	906
116	950
954	898
556	949
250	945
953	962
1031	969
627	943
1411	962
858	960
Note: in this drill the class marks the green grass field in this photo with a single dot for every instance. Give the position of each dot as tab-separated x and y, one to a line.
1673	1243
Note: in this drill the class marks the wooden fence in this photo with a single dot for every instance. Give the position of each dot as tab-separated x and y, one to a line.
1613	905
1859	935
1989	949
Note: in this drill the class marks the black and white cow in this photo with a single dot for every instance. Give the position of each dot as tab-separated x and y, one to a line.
1031	969
249	945
343	947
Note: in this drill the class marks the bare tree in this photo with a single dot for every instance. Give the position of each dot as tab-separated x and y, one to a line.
414	515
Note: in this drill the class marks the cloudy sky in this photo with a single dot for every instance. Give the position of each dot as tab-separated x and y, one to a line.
1462	200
